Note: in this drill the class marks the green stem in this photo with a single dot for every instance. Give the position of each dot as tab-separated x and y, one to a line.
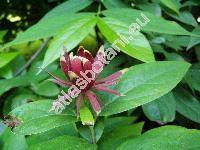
93	134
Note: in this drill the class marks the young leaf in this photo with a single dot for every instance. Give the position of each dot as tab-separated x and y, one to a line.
144	83
156	24
138	46
86	116
69	37
166	137
187	105
65	142
162	110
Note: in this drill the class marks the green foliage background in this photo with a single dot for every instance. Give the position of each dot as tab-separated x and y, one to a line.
161	106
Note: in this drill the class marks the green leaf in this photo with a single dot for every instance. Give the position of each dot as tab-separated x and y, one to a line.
116	122
166	138
5	58
192	76
18	99
115	4
129	16
86	116
6	72
171	4
119	135
144	83
42	124
194	40
35	117
46	88
2	34
138	46
162	110
15	141
7	84
64	142
187	105
24	80
36	109
52	22
67	129
85	132
71	6
69	37
185	17
151	8
5	133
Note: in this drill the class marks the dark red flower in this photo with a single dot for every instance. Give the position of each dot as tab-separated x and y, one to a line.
74	66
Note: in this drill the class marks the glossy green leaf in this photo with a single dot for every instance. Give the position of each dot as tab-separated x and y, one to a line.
36	117
166	138
52	22
162	110
42	124
119	135
69	37
144	83
129	16
187	105
67	129
71	6
36	109
86	116
64	142
138	46
5	58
